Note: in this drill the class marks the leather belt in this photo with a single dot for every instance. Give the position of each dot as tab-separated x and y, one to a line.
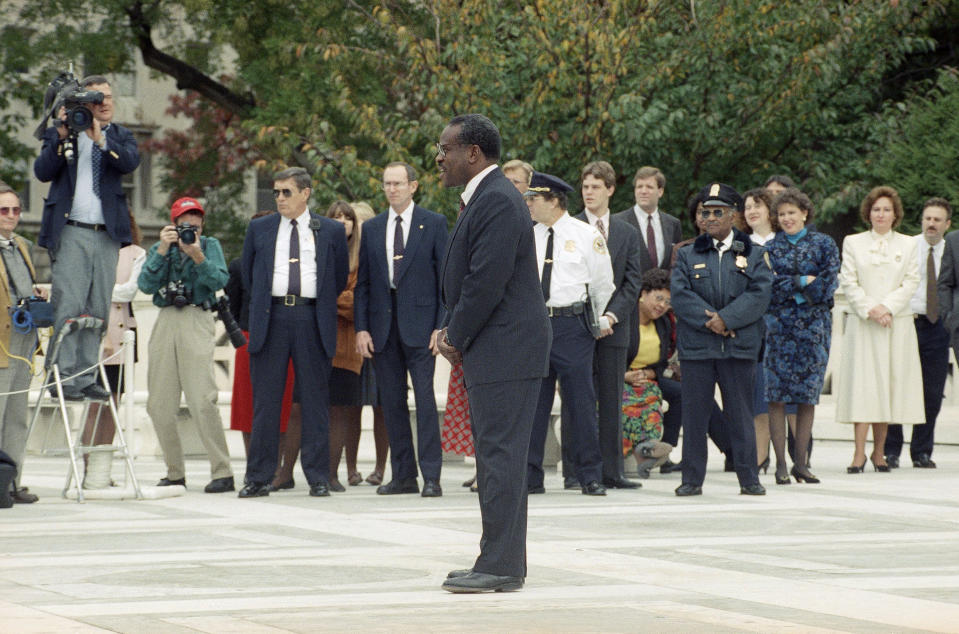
294	300
566	311
86	225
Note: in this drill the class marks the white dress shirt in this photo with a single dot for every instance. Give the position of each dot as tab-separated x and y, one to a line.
86	205
474	183
761	240
407	215
593	219
281	257
917	303
644	219
580	257
723	245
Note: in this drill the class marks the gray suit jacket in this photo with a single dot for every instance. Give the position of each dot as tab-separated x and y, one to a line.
672	234
947	286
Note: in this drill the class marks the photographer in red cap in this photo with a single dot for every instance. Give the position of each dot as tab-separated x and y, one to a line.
183	271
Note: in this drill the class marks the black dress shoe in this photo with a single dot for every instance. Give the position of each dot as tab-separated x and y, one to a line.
167	482
570	483
671	467
220	485
69	393
96	392
23	496
536	490
462	572
892	461
686	489
432	489
482	582
620	483
395	487
336	487
320	490
254	490
593	487
923	461
752	489
469	482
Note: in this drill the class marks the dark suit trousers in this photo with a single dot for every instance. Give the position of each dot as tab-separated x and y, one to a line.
570	361
391	365
609	366
293	334
735	378
934	359
501	415
673	418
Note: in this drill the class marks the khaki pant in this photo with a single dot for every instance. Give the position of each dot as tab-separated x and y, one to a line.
181	358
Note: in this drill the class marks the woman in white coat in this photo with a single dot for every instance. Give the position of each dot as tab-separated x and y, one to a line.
880	378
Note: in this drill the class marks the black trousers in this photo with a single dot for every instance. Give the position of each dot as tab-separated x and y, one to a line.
391	365
293	335
735	379
501	415
934	359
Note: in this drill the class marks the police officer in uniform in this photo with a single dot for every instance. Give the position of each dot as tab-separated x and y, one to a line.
720	285
575	270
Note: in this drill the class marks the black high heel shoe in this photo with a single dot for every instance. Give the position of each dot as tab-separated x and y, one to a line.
782	479
856	468
764	465
881	468
805	477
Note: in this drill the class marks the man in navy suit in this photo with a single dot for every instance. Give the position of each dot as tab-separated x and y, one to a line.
497	326
658	230
85	222
398	313
295	264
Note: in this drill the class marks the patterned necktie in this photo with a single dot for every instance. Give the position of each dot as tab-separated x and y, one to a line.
293	288
932	296
548	265
398	248
601	227
96	163
651	241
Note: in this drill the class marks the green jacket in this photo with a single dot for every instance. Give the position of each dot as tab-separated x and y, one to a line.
201	281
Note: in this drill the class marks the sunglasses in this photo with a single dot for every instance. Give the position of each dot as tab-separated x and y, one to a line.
715	213
10	211
285	193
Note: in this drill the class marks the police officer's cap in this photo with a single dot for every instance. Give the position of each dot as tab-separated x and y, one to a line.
721	195
542	183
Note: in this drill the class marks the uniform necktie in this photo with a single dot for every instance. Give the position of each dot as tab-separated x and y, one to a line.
398	248
651	241
548	265
932	296
294	283
601	227
96	164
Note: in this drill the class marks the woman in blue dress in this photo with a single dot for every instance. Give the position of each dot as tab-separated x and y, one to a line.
798	325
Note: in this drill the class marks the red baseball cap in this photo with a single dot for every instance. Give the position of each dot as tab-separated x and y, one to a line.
184	205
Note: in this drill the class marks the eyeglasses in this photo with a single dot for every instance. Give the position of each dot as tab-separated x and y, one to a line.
285	193
661	299
444	150
10	211
719	212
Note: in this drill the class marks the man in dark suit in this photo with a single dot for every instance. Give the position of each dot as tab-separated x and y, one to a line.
658	231
609	360
295	264
85	222
720	289
398	312
497	326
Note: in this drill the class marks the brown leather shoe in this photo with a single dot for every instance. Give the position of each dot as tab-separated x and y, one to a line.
23	496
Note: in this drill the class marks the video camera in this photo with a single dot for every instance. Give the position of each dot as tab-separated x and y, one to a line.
65	91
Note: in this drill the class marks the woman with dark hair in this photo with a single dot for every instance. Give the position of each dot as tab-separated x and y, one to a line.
798	326
880	379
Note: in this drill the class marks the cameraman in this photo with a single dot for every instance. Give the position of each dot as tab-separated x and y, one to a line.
183	271
16	347
85	222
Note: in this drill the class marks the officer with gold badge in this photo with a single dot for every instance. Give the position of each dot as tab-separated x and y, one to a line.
577	280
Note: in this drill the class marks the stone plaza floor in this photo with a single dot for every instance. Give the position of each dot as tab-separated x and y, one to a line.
857	553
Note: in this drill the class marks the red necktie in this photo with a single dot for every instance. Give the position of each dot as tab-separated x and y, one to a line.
651	241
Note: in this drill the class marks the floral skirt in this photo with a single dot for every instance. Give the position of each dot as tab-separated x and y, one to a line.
642	415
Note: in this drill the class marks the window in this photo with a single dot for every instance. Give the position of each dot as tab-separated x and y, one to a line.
138	185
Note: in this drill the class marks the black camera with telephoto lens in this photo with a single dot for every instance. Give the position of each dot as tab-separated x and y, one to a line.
187	233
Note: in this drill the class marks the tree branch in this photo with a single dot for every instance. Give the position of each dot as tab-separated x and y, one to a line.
187	77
